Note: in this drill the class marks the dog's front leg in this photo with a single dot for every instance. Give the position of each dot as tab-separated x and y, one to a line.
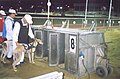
33	51
33	57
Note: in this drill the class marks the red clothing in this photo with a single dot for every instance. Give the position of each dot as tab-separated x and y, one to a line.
1	29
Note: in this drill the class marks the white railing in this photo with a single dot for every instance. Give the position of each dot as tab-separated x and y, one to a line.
52	75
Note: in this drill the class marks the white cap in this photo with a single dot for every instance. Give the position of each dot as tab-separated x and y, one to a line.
2	12
12	11
28	18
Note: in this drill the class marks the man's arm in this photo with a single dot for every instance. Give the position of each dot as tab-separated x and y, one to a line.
16	32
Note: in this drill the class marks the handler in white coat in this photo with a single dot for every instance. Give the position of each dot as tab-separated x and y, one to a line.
22	33
8	31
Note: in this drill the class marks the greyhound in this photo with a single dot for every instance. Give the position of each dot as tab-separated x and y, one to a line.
31	51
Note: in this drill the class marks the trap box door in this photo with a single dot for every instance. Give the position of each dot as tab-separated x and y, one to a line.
61	44
41	50
71	53
53	57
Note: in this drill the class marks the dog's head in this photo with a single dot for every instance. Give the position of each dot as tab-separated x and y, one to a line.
4	44
38	41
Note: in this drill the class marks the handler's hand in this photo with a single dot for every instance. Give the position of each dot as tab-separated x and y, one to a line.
17	44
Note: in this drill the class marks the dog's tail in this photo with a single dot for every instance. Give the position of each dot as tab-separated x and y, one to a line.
14	56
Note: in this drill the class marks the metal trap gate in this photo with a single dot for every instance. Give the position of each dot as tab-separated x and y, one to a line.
41	50
56	47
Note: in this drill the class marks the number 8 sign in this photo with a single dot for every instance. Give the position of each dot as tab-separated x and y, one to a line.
72	44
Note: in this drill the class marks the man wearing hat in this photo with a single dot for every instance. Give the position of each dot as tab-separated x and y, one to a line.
2	14
8	31
22	33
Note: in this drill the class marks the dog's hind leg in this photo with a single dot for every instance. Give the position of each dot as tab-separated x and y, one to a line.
17	57
14	60
3	55
4	58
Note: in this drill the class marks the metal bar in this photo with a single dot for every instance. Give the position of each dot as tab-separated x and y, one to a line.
109	20
48	17
48	9
86	12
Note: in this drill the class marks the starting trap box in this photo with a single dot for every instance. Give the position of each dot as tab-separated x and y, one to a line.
72	47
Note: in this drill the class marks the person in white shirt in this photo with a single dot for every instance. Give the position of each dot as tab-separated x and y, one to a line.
22	33
8	31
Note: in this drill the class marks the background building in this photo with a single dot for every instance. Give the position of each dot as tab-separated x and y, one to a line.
60	5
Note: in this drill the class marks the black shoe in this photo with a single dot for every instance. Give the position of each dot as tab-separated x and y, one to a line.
22	62
9	59
18	65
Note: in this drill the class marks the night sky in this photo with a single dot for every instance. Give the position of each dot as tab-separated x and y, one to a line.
38	4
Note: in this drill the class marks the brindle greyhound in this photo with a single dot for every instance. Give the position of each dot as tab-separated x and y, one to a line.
31	51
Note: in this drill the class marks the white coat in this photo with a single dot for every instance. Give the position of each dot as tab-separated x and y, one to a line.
9	35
